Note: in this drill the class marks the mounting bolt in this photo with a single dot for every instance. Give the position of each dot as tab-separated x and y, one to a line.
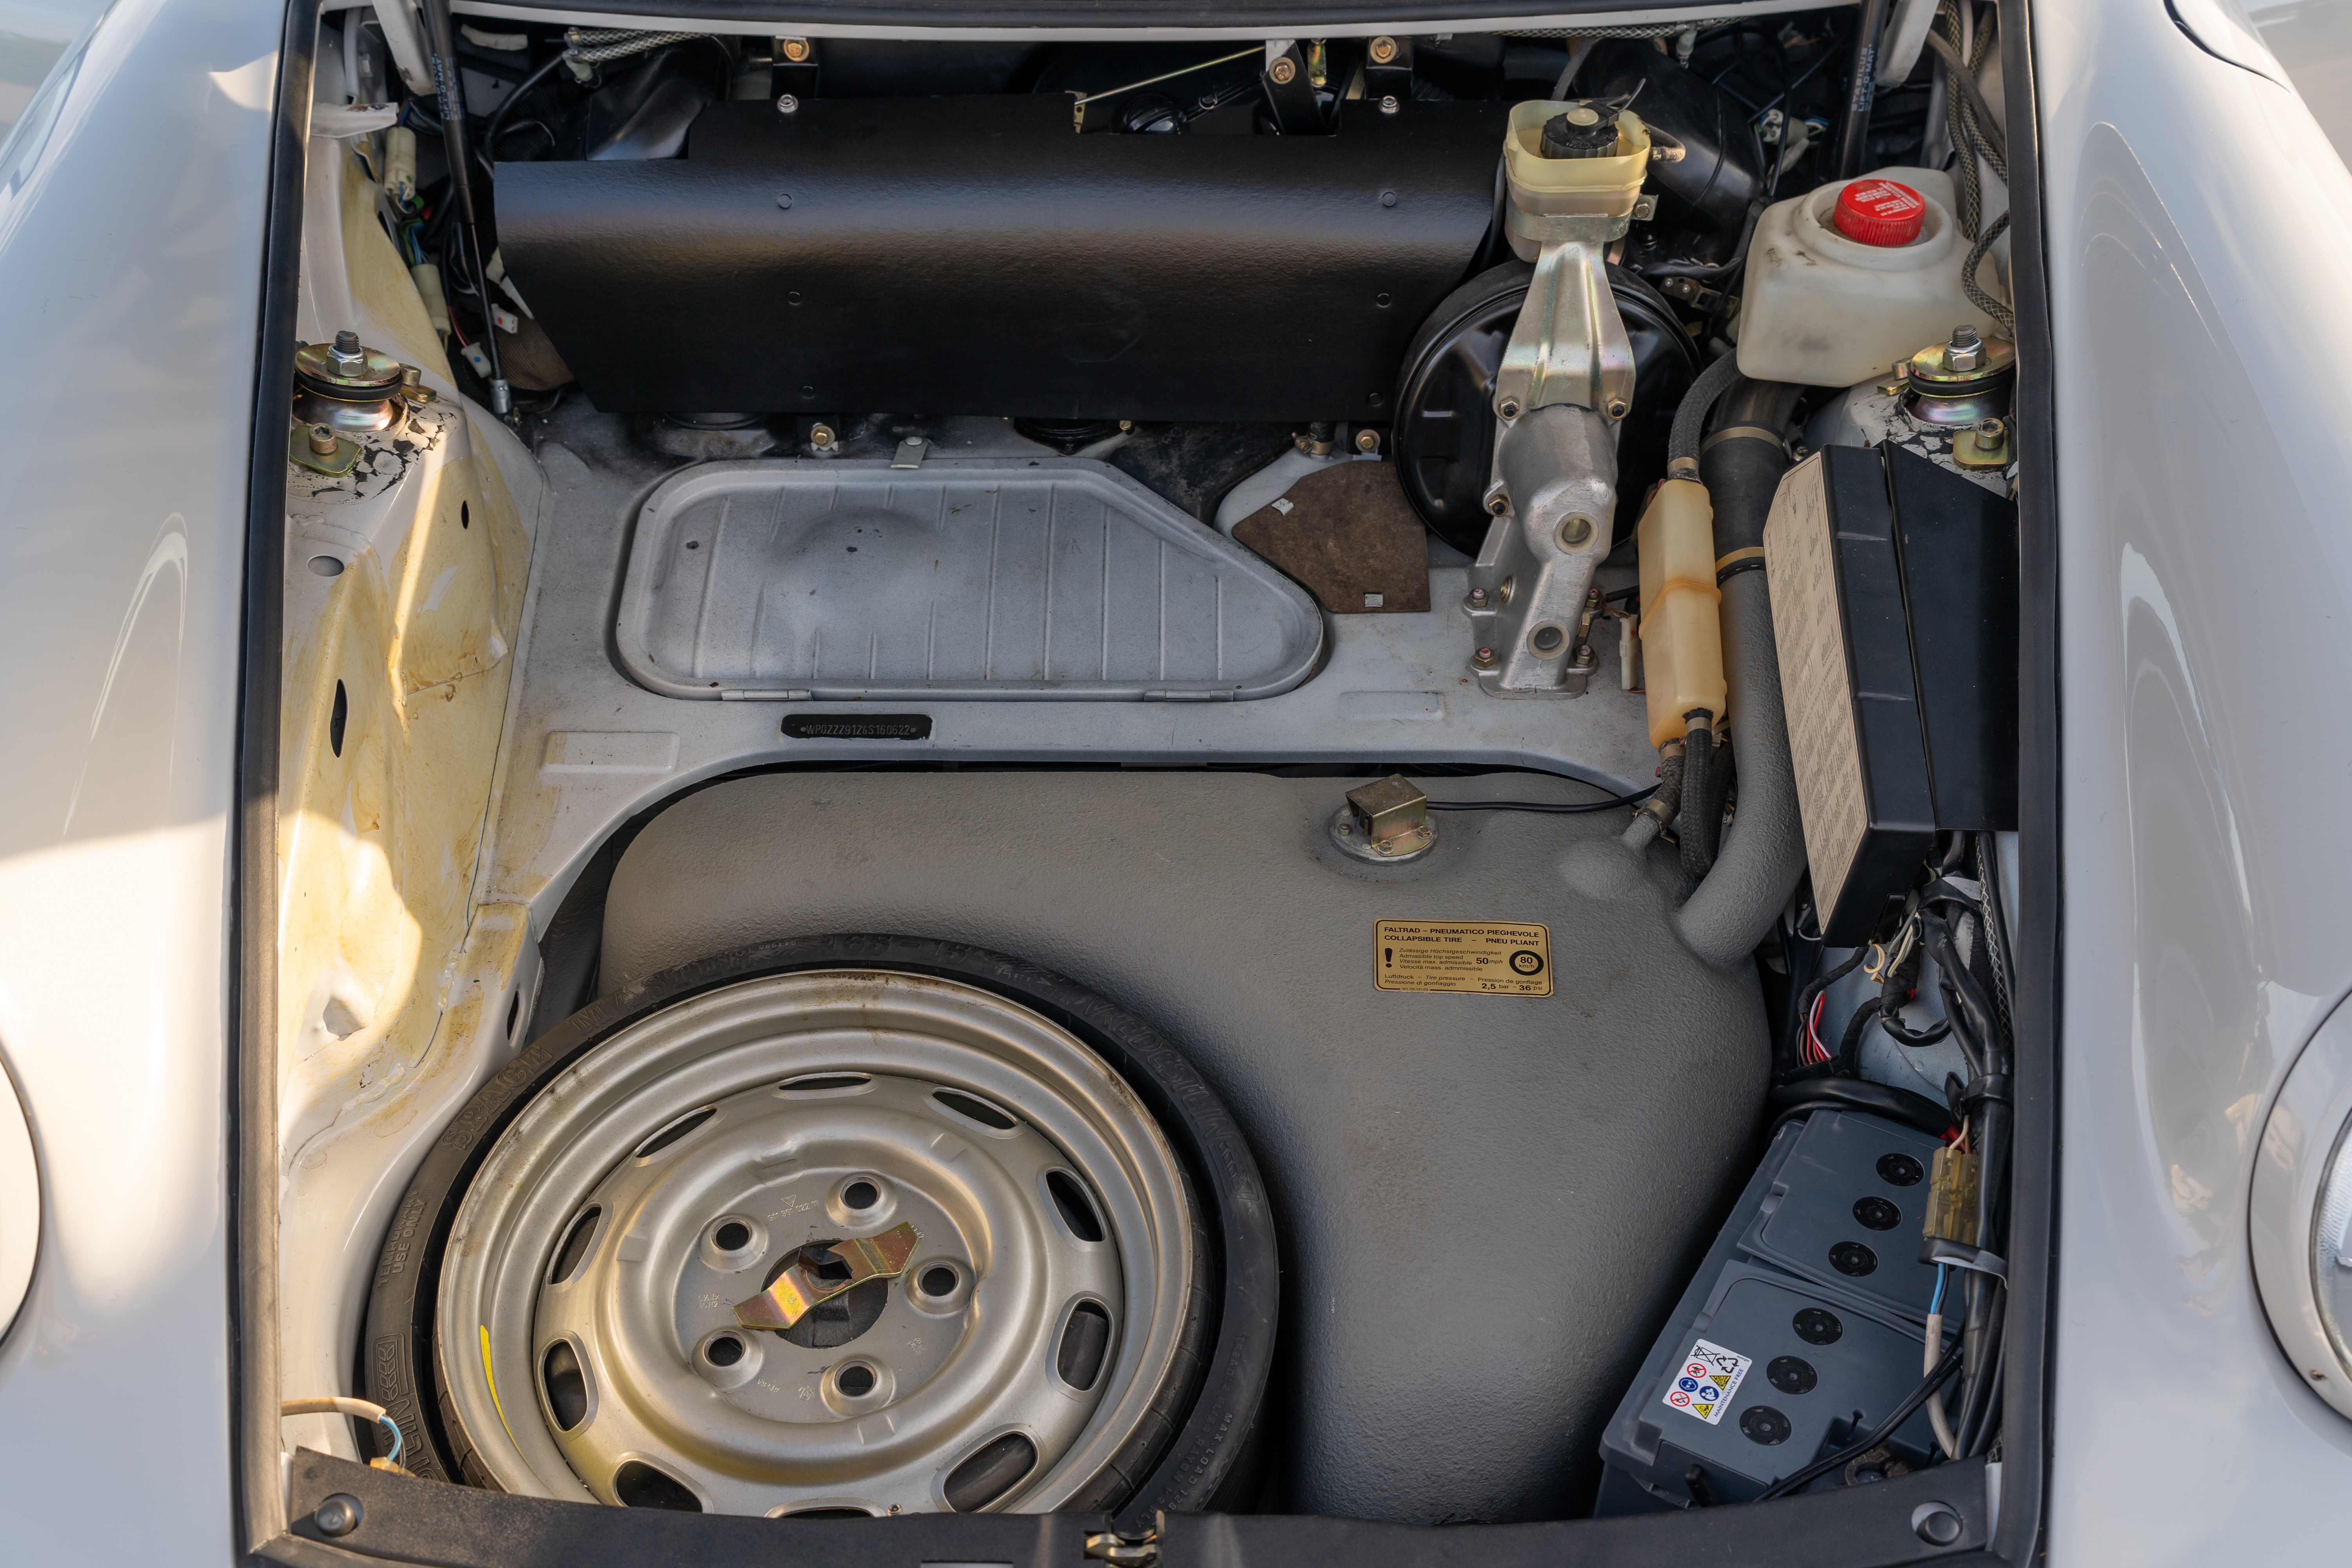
787	104
1966	351
322	440
339	1515
1388	104
1508	408
1367	440
1282	70
1992	432
795	50
1498	499
1383	50
1618	408
1477	598
821	435
1484	659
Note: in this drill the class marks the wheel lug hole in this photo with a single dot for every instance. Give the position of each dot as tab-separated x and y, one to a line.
724	1350
855	1380
732	1235
861	1196
939	1280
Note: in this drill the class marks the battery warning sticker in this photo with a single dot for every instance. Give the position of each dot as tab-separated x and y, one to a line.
1709	1376
1481	958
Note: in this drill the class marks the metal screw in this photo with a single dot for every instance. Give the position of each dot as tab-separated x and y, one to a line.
785	199
339	1515
1484	659
796	49
1509	408
1575	533
322	440
1498	499
1618	408
788	104
1966	351
1477	598
1388	104
1383	50
1585	658
347	345
1282	70
821	435
1367	440
1388	198
1992	432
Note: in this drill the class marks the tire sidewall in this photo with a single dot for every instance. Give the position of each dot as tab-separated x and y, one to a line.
1183	1455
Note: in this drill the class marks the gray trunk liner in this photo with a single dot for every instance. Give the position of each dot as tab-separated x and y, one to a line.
975	577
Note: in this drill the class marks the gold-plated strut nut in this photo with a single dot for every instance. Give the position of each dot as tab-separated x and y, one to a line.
817	1274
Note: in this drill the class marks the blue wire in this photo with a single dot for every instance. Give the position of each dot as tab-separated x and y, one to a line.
389	1424
1937	1305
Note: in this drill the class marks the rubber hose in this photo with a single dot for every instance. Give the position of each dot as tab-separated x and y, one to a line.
1700	825
1690	414
1761	861
1742	462
1652	817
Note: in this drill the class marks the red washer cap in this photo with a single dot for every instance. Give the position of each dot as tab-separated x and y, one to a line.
1880	212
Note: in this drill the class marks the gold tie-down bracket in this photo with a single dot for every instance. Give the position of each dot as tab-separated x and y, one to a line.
817	1274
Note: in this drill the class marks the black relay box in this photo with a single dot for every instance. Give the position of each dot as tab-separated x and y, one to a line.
1802	1331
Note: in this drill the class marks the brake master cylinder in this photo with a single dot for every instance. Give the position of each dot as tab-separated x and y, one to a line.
1575	172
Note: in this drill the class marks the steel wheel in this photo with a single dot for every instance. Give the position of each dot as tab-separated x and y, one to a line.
587	1336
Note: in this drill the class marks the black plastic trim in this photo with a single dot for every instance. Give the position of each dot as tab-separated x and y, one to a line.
254	1435
2039	956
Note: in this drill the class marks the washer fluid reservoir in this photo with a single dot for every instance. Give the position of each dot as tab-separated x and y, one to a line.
1844	280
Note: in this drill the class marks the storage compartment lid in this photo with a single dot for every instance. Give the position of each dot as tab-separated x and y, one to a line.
831	580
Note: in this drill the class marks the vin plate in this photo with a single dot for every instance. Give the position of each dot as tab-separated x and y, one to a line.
1479	958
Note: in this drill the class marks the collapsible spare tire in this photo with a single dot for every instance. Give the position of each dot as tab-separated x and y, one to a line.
836	1226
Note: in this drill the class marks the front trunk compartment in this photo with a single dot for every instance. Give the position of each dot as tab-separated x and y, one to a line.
1179	896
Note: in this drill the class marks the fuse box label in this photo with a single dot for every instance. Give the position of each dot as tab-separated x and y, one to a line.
1706	1380
1477	958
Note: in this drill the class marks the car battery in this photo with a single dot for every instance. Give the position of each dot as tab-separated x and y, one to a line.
1801	1331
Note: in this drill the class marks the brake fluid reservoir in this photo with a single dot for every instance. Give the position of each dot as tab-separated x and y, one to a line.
1682	628
1844	280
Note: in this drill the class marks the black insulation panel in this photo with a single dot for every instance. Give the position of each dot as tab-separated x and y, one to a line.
976	255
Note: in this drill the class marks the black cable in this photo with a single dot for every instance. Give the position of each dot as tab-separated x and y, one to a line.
490	149
1861	1094
1549	808
1918	1396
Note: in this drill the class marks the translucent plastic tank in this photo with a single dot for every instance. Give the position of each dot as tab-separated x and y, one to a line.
1822	307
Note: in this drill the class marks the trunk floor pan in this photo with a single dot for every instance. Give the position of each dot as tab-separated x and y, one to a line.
1486	1203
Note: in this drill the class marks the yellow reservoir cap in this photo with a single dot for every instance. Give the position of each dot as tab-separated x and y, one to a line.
1682	624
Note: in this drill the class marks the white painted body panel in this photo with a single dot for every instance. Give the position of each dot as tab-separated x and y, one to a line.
130	278
2200	253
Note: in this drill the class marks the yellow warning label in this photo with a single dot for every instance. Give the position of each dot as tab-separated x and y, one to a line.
1496	958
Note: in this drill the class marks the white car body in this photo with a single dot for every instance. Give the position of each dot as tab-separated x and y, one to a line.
2195	232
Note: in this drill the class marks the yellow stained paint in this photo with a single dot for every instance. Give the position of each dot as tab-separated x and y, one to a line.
377	845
